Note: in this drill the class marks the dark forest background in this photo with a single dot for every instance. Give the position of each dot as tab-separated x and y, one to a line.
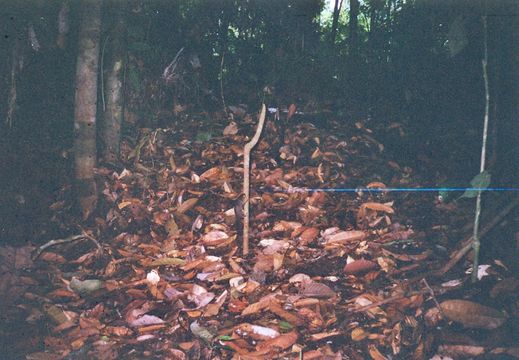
411	68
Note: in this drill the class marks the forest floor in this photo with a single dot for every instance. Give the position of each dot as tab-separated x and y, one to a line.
158	272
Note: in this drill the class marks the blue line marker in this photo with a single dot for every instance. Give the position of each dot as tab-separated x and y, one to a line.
296	189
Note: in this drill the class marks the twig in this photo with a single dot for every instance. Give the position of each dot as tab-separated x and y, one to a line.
11	100
397	297
221	84
475	237
433	296
69	239
388	300
466	244
246	178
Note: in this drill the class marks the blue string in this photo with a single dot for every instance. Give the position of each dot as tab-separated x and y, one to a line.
295	189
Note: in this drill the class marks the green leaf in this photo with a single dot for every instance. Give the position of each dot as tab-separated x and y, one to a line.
480	181
285	326
225	338
204	136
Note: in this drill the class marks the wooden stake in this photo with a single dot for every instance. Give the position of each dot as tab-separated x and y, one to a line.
246	178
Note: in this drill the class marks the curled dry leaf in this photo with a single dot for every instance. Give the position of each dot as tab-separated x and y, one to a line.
214	238
186	205
359	267
286	226
376	185
231	129
146	320
375	353
281	342
211	175
472	315
377	207
346	236
308	236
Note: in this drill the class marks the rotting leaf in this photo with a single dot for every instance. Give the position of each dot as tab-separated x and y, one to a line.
472	315
201	332
167	261
85	287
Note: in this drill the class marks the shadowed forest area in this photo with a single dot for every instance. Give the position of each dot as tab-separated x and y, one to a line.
253	179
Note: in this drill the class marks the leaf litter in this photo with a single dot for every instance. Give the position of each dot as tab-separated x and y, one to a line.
330	275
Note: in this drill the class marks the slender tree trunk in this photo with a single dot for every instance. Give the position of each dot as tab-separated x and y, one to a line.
354	38
113	88
85	106
63	24
335	20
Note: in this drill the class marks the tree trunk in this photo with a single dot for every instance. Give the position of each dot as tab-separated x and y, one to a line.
335	20
354	39
113	111
85	106
63	24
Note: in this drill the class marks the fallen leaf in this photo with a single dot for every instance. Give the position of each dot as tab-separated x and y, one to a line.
346	236
231	129
358	267
186	205
318	290
472	315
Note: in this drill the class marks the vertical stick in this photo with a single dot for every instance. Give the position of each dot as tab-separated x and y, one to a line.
246	178
475	236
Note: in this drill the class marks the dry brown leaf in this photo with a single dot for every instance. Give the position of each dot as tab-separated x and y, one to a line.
375	353
211	175
472	315
186	205
359	334
291	111
214	238
313	319
360	266
286	225
281	342
318	290
293	319
308	236
377	207
461	351
376	185
117	331
231	129
346	236
264	263
504	287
